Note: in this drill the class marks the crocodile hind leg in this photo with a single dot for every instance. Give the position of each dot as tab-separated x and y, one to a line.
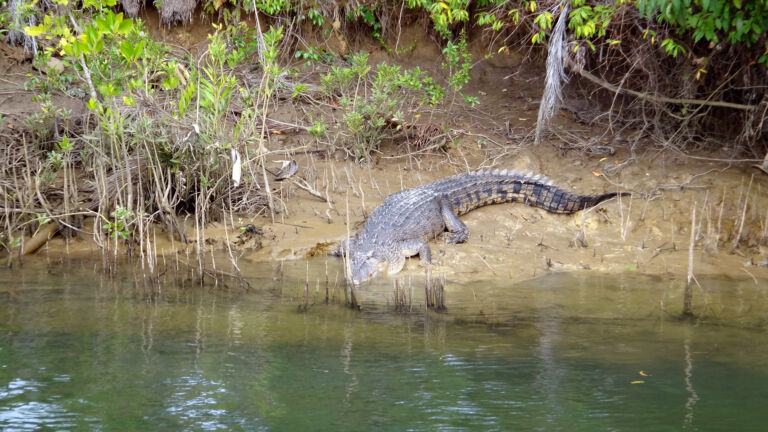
409	248
459	231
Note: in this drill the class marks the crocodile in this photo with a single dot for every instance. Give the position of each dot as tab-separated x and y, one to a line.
401	226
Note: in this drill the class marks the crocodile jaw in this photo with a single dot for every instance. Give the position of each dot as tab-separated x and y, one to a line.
367	268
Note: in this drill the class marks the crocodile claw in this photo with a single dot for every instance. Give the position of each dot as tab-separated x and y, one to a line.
457	237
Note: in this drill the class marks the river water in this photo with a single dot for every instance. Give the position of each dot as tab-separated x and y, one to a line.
587	351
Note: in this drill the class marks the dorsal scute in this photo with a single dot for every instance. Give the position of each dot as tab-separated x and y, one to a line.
512	175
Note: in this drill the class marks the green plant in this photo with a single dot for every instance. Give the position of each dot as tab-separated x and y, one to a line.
317	130
458	62
216	87
470	100
544	23
272	7
672	48
371	97
272	69
43	123
444	13
118	227
313	54
315	16
735	21
589	22
55	158
368	14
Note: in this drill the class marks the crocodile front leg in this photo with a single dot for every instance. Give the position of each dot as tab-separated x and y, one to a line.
459	231
409	248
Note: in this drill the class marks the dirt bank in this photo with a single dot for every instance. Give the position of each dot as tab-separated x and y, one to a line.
647	233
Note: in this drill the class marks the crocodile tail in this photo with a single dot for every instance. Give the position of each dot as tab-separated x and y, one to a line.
477	189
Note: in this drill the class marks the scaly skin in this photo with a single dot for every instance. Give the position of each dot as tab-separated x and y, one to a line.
402	224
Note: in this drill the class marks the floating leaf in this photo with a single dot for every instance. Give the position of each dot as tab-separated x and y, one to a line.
638	382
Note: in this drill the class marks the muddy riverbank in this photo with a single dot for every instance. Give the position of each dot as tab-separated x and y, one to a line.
647	233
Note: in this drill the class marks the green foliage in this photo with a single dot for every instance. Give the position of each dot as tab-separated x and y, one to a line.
216	91
445	13
272	69
715	21
117	228
42	123
370	18
672	48
589	22
55	158
458	62
299	89
737	21
313	54
272	7
371	97
112	55
488	19
315	16
317	130
544	23
470	100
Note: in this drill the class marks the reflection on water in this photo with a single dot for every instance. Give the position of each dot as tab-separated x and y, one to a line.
565	352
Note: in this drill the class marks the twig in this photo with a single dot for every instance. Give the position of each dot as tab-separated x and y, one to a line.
302	184
688	294
754	279
743	214
485	262
655	98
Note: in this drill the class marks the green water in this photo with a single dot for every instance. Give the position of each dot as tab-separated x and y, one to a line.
79	351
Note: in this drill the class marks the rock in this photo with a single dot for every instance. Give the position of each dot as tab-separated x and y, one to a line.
55	64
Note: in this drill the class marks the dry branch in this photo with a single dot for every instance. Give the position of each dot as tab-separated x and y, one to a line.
654	98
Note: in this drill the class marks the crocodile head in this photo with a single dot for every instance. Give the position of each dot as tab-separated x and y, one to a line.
364	263
365	268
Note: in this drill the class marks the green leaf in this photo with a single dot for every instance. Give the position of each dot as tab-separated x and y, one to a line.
125	26
36	30
127	49
92	104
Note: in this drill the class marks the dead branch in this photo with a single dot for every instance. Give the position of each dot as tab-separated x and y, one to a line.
655	98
